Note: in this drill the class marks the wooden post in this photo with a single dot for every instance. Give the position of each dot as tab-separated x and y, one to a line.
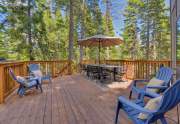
25	70
53	69
2	81
69	67
81	54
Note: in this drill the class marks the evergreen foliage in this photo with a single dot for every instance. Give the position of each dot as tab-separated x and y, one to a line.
54	29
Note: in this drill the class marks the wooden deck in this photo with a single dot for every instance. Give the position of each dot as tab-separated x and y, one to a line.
68	100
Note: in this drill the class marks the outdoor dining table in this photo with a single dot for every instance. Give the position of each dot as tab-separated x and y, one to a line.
112	68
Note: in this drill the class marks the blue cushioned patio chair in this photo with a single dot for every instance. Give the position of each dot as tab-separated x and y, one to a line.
23	86
133	108
164	74
35	67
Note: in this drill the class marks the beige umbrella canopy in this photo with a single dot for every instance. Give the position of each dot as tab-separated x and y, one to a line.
102	40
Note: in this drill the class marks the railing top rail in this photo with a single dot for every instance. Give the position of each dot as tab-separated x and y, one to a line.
139	60
12	63
19	62
49	61
151	61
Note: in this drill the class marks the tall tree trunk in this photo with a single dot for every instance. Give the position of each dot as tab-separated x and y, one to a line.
107	24
82	28
148	38
148	32
29	32
71	33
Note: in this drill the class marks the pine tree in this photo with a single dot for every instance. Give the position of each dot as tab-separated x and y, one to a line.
131	41
155	25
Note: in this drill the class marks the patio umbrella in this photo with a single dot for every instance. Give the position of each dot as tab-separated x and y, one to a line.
100	40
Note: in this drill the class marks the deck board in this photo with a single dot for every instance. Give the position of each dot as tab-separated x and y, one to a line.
68	100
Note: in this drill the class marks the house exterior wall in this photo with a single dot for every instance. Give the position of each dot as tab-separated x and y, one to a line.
173	9
175	16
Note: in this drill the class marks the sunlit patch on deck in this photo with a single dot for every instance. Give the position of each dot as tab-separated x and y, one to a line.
57	88
120	85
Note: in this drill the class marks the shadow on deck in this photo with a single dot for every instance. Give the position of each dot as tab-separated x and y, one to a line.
68	100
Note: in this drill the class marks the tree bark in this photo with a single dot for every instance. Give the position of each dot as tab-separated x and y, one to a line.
29	32
107	24
71	34
148	31
82	29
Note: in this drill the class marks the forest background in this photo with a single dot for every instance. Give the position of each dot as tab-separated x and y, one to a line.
50	29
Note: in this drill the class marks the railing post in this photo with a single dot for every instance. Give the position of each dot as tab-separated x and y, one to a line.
147	69
25	68
169	63
53	69
2	83
69	67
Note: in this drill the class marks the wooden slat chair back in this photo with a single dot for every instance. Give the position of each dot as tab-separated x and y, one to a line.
164	73
35	67
134	107
30	83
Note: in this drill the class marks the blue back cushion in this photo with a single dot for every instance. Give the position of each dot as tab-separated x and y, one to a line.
33	67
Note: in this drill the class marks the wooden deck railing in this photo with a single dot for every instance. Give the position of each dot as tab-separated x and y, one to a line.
55	68
143	69
7	85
